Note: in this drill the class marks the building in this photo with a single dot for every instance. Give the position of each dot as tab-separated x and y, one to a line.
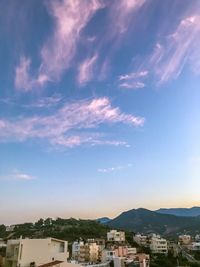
10	228
158	245
124	251
195	246
60	264
139	260
141	240
86	252
107	255
184	239
35	252
2	243
77	248
116	236
197	238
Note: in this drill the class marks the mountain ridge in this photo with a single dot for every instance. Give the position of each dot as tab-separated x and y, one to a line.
189	212
147	221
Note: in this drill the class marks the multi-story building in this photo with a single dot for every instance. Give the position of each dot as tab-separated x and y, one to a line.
116	236
86	252
158	245
124	251
108	255
2	243
35	252
141	240
78	251
184	239
197	238
139	260
195	246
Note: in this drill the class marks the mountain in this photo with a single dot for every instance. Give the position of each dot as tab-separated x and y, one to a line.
103	220
146	221
189	212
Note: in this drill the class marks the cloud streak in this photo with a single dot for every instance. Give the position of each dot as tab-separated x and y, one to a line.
66	126
176	50
122	14
133	80
17	175
85	72
113	169
70	18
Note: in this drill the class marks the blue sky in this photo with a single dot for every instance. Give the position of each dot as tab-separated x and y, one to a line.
99	107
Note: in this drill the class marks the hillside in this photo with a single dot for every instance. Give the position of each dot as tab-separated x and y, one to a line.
189	212
103	220
67	229
146	221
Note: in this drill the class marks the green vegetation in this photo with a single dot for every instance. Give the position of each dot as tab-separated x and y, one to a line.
170	261
66	229
2	231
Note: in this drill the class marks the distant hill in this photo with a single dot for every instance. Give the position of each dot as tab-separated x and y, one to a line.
103	220
146	221
189	212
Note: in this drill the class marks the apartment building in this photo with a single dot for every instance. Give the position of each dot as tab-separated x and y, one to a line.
184	239
158	245
124	251
108	255
141	240
35	252
86	252
116	236
139	260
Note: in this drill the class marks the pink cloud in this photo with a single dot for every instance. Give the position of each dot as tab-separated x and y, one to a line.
86	70
23	80
70	17
60	127
122	13
133	80
171	55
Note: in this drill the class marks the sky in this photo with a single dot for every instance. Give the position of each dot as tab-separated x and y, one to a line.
99	107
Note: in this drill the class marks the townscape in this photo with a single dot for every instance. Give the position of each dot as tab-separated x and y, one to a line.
117	249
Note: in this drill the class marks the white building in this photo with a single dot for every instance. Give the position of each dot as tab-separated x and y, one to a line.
158	245
139	260
76	250
35	252
184	239
195	246
197	238
141	240
2	243
10	228
116	236
108	255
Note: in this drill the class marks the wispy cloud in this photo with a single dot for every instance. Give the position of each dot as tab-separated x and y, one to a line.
177	49
122	14
113	169
133	80
61	127
23	79
85	71
17	175
46	102
70	18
